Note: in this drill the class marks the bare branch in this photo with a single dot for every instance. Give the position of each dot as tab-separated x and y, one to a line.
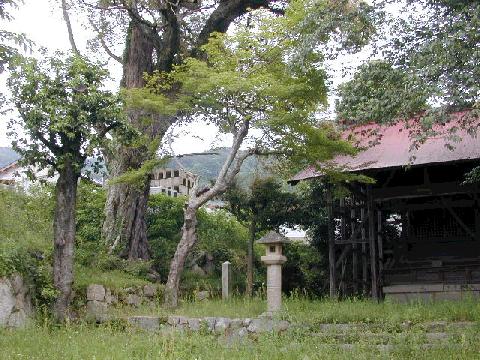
104	45
71	38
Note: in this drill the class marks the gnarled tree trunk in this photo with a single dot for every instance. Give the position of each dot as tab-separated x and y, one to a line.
126	204
64	238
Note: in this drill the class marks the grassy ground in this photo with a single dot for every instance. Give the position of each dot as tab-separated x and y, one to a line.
377	325
325	311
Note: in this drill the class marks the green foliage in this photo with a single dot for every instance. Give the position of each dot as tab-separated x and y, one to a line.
438	42
90	212
305	271
64	113
380	93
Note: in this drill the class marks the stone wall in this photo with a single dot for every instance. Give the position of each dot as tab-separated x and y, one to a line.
99	298
15	302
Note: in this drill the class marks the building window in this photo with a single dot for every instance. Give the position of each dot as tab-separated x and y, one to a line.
160	176
176	188
168	175
272	248
169	193
175	173
184	182
163	191
175	194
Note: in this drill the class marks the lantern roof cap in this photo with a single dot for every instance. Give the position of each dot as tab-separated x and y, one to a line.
273	237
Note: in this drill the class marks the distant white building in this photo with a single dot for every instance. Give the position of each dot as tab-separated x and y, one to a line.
171	182
15	175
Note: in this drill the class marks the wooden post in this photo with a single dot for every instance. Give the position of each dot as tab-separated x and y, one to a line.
331	245
380	250
372	245
343	234
354	248
364	251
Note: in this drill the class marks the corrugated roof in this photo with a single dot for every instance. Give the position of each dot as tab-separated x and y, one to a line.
392	146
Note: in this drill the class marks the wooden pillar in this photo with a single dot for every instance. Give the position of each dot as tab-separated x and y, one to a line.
354	248
331	245
343	234
364	250
380	251
372	244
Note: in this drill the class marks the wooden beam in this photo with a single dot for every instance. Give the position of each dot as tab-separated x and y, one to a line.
380	249
459	221
434	189
364	252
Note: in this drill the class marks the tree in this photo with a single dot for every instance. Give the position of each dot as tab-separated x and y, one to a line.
156	35
246	83
266	206
64	118
381	93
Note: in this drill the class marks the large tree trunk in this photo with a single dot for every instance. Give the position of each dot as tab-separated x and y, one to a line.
253	231
64	239
188	240
126	204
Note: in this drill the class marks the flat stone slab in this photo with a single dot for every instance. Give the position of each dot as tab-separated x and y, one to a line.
150	323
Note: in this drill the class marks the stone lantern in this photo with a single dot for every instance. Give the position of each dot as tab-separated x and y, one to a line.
274	260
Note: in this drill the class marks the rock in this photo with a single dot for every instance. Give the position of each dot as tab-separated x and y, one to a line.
437	336
95	292
198	270
236	324
110	298
153	276
236	338
210	321
172	320
149	291
7	301
130	290
133	300
202	295
194	324
17	319
260	325
18	287
149	323
97	310
247	322
222	325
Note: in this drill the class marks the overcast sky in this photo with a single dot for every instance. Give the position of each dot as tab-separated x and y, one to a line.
42	22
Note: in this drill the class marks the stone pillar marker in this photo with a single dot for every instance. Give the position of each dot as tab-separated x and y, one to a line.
274	260
226	280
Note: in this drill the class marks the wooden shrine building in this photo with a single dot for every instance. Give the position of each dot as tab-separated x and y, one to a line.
415	232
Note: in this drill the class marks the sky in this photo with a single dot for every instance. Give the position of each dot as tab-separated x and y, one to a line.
42	22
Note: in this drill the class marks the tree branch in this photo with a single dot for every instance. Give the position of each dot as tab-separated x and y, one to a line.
71	38
104	45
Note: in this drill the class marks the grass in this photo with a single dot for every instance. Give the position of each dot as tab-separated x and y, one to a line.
379	325
313	312
114	342
112	279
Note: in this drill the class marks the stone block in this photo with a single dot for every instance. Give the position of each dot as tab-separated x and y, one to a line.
133	300
194	324
97	310
17	319
110	298
149	291
17	284
210	321
222	325
7	301
247	322
149	323
236	324
260	326
95	292
172	320
280	326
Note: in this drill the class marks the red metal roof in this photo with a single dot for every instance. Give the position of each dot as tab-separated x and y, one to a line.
392	146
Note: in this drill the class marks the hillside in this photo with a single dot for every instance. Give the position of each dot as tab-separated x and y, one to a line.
208	165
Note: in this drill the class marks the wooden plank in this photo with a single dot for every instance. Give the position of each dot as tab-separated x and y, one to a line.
364	252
